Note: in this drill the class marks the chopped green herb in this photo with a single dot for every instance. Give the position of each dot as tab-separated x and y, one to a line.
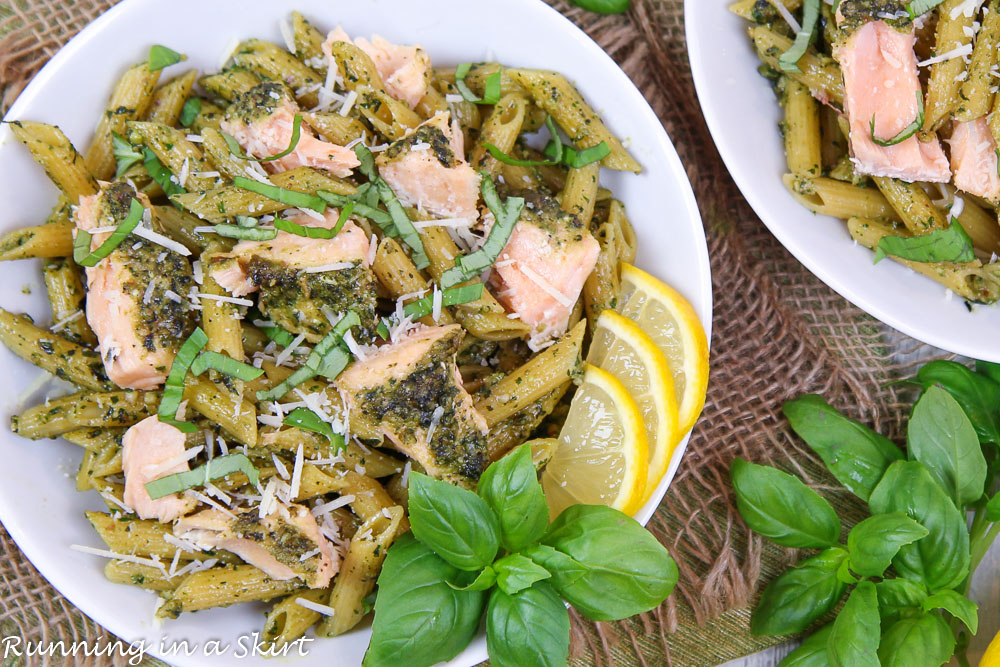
173	390
576	159
402	224
221	466
190	111
161	56
315	232
941	245
161	174
378	216
82	254
308	420
506	215
235	149
491	92
125	154
245	233
907	131
290	197
920	7
225	365
789	60
454	296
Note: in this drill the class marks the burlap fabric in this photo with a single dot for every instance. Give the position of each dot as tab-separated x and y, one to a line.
778	333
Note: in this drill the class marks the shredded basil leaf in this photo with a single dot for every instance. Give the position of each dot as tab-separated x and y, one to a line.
506	215
190	111
402	224
161	56
221	466
491	91
290	197
556	151
454	296
273	332
315	232
245	233
125	154
941	245
367	161
173	390
576	159
310	421
789	60
327	358
378	216
225	365
919	7
237	151
82	254
907	131
161	175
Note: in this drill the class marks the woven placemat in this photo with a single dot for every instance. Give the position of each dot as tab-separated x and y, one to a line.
778	332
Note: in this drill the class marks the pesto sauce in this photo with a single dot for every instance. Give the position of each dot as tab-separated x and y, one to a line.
406	405
284	541
856	13
544	212
258	102
294	299
440	147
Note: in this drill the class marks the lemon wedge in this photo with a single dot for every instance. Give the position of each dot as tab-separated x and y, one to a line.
670	321
602	457
622	349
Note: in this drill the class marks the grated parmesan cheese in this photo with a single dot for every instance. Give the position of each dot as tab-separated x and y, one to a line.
225	299
435	419
546	286
162	240
315	606
349	101
326	508
336	266
957	52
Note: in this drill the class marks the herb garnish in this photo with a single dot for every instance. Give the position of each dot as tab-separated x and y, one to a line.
491	89
282	195
308	420
789	60
173	389
221	466
190	111
161	175
920	7
940	245
161	56
557	152
315	232
454	296
907	131
237	151
225	365
125	154
82	253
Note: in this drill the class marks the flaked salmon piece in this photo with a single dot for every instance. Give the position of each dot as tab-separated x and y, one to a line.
275	544
881	82
403	69
542	269
427	169
262	120
411	392
300	277
151	450
133	295
974	159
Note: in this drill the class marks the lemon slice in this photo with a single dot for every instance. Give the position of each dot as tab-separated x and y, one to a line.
621	348
602	457
672	324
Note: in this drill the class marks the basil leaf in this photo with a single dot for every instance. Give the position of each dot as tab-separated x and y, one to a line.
801	595
125	154
161	175
455	523
854	639
789	60
941	437
875	541
781	508
856	455
190	111
895	595
979	395
527	629
988	369
220	466
811	653
510	487
575	159
590	569
993	508
161	56
516	572
603	6
903	134
940	560
957	605
920	7
483	581
941	245
915	642
417	613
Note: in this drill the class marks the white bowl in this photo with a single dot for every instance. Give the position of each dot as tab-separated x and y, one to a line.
38	503
743	114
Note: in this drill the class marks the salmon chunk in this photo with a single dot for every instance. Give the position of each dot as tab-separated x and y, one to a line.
411	392
284	545
262	119
151	450
541	271
134	295
404	69
974	159
427	169
302	280
881	82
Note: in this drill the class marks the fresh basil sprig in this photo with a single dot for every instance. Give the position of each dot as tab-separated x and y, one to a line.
789	60
910	563
494	549
941	245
